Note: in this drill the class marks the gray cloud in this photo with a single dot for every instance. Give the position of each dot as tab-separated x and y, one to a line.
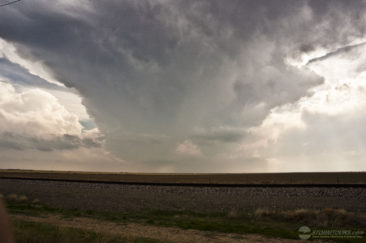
338	51
66	142
329	143
166	68
222	135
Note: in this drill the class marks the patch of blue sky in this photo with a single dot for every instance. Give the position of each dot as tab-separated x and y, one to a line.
88	124
18	75
21	79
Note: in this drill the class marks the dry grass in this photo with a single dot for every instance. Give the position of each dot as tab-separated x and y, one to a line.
262	213
12	197
35	201
21	199
17	198
234	214
31	232
323	218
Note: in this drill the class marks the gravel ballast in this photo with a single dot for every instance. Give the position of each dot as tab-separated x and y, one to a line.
124	197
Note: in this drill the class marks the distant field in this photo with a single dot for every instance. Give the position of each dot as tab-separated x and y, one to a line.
309	178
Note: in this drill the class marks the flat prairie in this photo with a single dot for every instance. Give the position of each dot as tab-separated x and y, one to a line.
300	178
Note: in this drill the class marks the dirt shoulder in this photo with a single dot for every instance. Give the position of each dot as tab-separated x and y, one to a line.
133	230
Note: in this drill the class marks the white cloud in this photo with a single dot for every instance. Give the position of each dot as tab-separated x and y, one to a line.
72	102
79	159
35	119
187	147
322	131
34	112
36	131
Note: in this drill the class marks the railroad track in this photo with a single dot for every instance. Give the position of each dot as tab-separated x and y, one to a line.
193	184
308	179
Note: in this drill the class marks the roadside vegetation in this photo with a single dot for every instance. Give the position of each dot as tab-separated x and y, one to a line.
223	223
278	224
31	232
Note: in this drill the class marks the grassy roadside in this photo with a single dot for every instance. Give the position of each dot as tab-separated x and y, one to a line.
261	222
30	232
185	220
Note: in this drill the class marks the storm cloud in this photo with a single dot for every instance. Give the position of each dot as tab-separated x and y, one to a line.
181	85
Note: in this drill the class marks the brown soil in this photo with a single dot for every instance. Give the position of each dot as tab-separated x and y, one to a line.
133	230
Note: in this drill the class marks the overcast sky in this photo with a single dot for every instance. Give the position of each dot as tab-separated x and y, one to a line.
183	86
